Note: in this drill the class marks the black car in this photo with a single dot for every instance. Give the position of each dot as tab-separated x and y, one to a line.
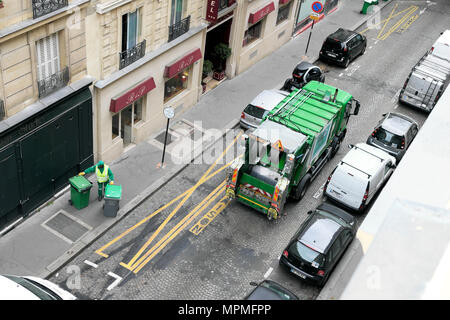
319	243
302	74
270	290
394	134
342	46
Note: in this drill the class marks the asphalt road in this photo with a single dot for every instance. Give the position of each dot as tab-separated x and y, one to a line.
184	252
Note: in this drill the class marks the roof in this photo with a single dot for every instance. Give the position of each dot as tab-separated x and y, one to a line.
304	65
10	290
341	35
268	99
272	132
309	114
366	158
396	124
319	233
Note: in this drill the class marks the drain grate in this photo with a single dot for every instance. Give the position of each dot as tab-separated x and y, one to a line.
67	227
160	138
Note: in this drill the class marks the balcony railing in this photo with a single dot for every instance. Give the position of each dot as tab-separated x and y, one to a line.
129	56
43	7
2	110
56	81
179	28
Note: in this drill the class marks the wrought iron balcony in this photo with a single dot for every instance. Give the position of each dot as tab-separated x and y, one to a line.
2	110
43	7
129	56
179	28
56	81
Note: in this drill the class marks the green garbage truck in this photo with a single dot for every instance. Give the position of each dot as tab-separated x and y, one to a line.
290	146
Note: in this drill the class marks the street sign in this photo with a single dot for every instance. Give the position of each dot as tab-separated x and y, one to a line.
169	112
317	7
314	16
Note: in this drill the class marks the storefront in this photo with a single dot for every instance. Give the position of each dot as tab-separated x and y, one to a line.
302	20
167	77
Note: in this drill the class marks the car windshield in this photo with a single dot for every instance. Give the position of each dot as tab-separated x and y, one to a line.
332	45
388	138
255	111
37	289
282	294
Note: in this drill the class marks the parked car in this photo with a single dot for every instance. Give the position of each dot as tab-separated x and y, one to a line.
394	134
302	74
319	243
358	176
270	290
253	114
441	47
31	288
426	82
342	46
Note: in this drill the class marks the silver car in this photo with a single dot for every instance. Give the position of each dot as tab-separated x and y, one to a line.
255	111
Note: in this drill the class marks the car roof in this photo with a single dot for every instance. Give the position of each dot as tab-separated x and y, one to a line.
263	293
10	290
319	232
268	99
396	123
304	65
341	35
365	158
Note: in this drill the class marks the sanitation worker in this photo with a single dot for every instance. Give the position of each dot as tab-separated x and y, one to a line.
104	176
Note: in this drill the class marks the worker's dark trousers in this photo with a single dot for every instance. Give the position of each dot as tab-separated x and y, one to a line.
101	187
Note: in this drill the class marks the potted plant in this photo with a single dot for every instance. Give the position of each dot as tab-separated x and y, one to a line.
207	68
1	4
221	52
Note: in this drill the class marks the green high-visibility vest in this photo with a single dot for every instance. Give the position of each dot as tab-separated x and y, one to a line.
102	176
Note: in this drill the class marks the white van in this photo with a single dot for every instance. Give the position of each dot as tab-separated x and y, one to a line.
358	176
255	111
31	288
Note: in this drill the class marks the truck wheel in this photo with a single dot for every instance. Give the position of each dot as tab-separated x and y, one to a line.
302	187
335	147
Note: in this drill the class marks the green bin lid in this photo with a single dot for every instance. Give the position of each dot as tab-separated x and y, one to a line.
113	191
80	183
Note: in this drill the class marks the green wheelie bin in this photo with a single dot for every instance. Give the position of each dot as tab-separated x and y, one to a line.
80	189
113	194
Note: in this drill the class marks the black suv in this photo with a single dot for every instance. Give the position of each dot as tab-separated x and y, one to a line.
319	243
342	47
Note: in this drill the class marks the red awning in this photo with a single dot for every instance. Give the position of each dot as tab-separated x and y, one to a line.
182	63
132	95
284	1
261	13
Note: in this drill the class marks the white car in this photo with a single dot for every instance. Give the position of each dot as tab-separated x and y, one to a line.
358	176
31	288
255	111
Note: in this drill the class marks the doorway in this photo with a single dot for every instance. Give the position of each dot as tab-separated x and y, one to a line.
124	121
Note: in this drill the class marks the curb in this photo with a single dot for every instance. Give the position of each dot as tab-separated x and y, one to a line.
96	233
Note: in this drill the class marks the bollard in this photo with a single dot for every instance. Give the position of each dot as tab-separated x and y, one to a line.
367	4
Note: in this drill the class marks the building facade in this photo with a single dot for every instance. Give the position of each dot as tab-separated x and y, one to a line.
45	101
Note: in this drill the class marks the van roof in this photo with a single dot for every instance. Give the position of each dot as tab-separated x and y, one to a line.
268	99
10	290
441	47
366	158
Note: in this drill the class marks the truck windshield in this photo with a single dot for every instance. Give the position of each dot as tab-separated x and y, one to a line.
388	138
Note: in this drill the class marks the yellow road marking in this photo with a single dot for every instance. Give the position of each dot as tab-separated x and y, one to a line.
187	196
171	235
100	250
406	16
389	18
395	15
409	23
210	216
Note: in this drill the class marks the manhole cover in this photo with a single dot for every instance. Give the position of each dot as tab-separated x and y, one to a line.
66	227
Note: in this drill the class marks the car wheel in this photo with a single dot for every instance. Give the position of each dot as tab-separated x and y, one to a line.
302	187
346	63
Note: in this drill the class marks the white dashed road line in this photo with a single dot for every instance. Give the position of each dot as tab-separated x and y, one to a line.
91	264
115	283
268	273
319	192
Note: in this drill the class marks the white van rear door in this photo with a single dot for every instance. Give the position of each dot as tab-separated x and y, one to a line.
348	186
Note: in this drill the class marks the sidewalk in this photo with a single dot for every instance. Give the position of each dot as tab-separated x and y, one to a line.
51	237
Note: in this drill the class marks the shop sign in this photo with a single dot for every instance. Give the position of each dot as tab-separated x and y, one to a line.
261	13
182	63
132	95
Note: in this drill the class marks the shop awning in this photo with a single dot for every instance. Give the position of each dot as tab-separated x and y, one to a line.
261	13
127	98
182	63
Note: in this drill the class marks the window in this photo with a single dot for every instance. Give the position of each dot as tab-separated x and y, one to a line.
176	84
124	121
252	33
47	56
130	29
176	13
283	12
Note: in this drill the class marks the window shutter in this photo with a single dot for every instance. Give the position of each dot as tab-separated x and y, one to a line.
47	56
